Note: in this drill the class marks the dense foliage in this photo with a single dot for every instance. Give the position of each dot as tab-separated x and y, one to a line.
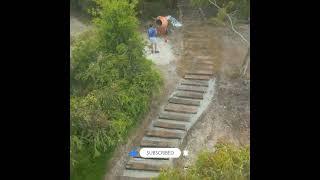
111	81
227	162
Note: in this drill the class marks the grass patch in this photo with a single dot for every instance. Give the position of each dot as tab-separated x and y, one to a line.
228	162
90	169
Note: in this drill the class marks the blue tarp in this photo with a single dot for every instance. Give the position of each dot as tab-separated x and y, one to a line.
173	21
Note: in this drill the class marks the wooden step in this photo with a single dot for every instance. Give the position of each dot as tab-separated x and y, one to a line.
130	174
192	88
170	124
202	67
195	53
197	32
198	63
204	49
186	43
186	94
181	108
204	62
177	100
197	77
175	116
158	142
197	40
194	45
204	83
165	133
198	58
204	57
197	35
200	72
147	164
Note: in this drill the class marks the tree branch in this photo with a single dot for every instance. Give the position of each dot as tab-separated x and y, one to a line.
245	68
231	23
202	13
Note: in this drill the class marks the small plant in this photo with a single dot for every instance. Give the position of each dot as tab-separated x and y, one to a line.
221	17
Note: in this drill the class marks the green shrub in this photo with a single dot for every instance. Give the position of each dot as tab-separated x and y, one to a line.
228	162
111	82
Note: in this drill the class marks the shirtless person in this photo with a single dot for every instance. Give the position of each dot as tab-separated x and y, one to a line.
162	23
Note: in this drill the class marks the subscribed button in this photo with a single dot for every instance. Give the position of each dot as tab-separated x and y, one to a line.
160	152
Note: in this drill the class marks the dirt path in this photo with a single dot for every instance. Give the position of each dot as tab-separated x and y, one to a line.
228	117
77	26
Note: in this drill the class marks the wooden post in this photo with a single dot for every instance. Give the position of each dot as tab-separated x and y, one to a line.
245	63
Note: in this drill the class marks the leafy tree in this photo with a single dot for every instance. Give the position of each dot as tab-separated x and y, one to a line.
111	80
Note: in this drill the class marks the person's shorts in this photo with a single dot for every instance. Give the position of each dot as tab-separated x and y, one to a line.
153	40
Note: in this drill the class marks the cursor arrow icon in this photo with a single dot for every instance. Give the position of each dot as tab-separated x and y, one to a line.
133	153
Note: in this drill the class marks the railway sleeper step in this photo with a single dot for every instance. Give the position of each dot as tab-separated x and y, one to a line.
177	100
170	124
175	116
199	89
165	133
147	164
181	108
203	83
200	72
131	174
197	77
187	94
159	142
